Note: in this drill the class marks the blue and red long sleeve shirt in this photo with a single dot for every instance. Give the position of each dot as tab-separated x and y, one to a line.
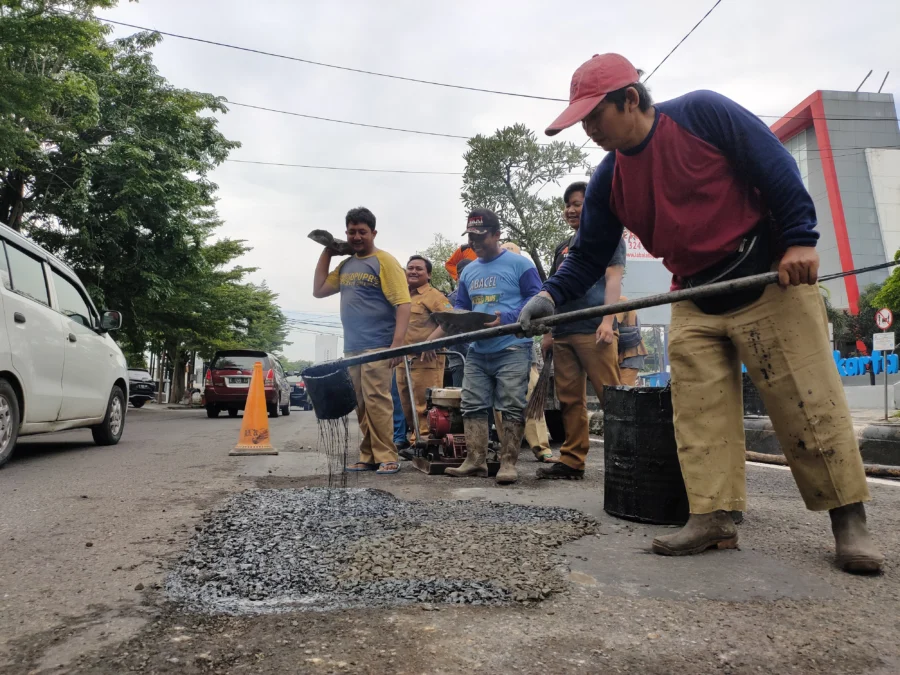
702	179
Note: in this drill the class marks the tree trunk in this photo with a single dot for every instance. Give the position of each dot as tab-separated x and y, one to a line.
540	266
12	200
178	368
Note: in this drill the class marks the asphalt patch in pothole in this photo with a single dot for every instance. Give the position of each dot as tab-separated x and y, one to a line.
325	548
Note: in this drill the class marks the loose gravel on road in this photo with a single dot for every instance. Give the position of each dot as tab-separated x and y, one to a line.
325	548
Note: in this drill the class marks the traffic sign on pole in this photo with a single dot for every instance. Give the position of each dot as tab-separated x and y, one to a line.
884	318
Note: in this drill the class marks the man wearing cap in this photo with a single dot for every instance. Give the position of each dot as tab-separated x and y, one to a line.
498	283
711	191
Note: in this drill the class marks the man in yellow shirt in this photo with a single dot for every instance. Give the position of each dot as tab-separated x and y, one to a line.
374	314
427	369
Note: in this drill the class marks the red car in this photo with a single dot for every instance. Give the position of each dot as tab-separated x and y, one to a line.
228	382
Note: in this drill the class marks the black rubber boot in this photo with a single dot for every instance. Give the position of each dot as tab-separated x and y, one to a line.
856	552
702	531
559	471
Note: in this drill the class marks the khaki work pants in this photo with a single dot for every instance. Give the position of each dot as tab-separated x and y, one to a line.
628	376
536	433
374	410
424	376
575	359
782	339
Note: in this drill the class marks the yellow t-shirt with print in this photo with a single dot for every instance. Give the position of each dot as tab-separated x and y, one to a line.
371	288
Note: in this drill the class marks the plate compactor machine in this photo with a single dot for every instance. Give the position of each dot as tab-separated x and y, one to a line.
445	445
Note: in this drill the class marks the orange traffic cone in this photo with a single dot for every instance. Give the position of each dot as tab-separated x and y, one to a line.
254	439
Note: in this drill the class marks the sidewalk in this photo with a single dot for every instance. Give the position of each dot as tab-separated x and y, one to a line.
879	440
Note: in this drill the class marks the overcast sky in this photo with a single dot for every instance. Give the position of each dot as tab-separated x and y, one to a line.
768	55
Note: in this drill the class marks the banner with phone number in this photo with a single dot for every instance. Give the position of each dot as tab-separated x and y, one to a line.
635	249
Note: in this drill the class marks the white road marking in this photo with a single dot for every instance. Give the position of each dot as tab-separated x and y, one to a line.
871	479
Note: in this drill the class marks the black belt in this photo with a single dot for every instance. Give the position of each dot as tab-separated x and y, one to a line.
755	255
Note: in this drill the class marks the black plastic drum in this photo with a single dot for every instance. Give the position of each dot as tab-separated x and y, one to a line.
642	476
331	391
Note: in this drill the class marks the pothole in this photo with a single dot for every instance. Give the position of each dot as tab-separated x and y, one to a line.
325	548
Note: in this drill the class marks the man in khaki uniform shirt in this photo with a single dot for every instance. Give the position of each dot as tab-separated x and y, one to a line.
426	370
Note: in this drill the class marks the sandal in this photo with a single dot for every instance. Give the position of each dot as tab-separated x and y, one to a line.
388	467
545	456
361	466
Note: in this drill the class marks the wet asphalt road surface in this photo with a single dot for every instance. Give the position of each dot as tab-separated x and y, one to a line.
87	535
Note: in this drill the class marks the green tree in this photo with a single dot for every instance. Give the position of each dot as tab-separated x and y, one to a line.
438	253
863	325
46	93
291	366
506	172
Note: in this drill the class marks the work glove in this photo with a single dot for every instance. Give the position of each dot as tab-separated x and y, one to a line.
539	307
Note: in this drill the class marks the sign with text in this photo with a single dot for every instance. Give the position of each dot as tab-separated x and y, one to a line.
883	342
634	248
884	318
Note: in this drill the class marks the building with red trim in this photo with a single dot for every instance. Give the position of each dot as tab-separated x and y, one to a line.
847	145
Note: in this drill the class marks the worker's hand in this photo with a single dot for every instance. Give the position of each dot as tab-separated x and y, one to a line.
428	357
495	322
605	334
799	265
546	345
397	360
538	307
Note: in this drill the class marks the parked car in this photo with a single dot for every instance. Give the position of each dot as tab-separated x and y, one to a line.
227	382
299	397
59	367
141	387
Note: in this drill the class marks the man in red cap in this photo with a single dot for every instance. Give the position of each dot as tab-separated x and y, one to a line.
712	192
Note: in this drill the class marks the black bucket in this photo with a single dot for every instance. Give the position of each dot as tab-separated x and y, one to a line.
642	476
330	390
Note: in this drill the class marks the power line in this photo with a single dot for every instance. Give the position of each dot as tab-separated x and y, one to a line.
329	65
681	41
346	168
354	124
455	173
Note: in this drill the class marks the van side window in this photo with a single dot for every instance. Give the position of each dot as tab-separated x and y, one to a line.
71	301
27	275
4	267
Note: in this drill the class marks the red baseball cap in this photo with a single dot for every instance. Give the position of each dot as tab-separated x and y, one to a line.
591	83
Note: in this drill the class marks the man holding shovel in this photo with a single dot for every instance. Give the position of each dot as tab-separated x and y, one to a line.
711	191
375	315
498	284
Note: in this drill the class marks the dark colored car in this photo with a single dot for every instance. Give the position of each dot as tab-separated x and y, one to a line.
227	382
141	387
299	397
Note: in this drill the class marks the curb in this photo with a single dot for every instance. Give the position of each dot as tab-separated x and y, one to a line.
878	443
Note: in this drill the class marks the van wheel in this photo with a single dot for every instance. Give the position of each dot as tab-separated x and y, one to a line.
212	411
286	409
138	402
273	410
110	430
232	412
9	421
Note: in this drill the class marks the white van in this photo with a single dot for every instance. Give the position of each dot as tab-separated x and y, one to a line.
59	368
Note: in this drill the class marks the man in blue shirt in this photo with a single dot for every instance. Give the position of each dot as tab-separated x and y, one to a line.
498	283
